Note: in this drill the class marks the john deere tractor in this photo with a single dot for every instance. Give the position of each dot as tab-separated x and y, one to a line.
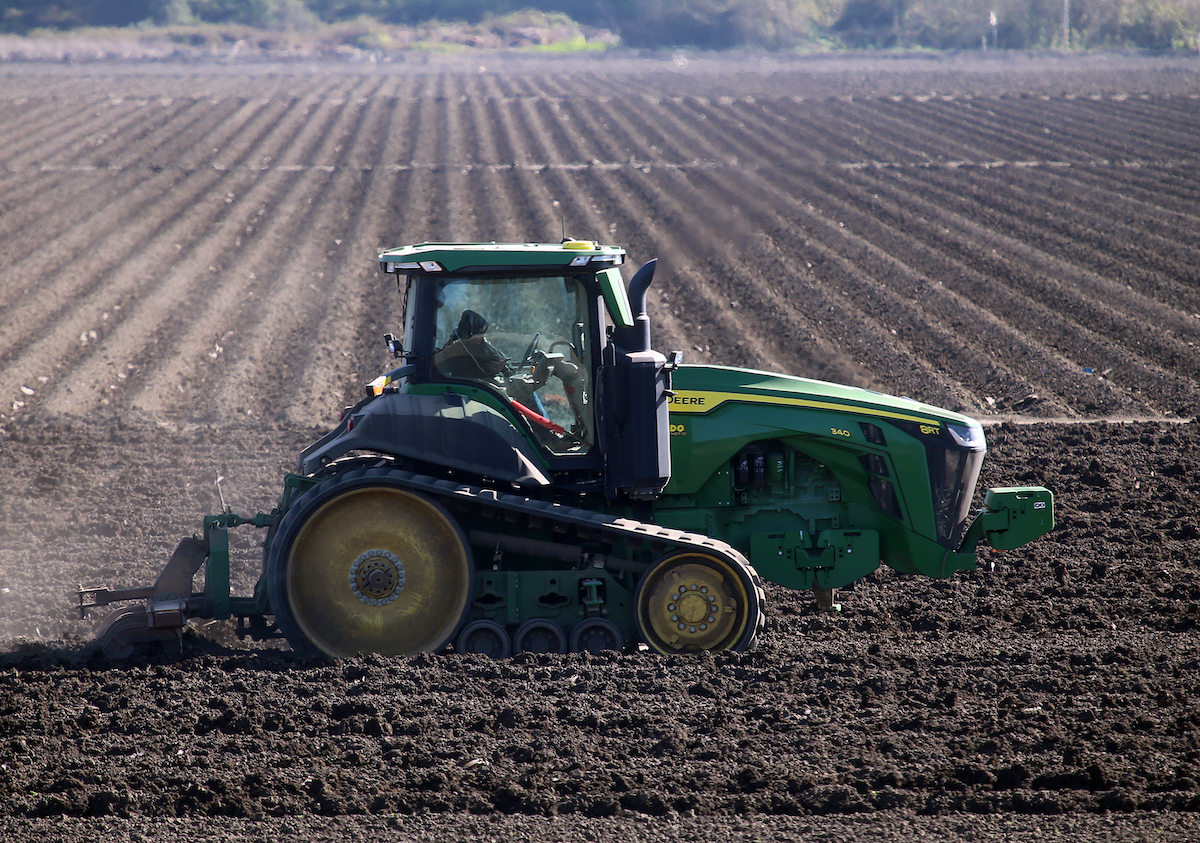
535	477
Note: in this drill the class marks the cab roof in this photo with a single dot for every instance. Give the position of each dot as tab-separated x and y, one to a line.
469	258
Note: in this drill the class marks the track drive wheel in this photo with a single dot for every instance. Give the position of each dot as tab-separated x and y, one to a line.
363	565
126	632
692	600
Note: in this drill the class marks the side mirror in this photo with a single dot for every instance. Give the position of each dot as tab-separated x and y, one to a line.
615	299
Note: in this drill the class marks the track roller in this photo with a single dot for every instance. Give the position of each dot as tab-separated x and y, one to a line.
596	635
539	636
487	638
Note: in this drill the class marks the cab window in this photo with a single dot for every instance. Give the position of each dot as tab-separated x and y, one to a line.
527	339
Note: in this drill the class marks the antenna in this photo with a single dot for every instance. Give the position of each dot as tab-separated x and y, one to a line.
221	494
563	217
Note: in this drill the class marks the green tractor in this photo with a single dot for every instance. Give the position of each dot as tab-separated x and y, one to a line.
535	477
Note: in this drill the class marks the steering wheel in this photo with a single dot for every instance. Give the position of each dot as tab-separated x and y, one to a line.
528	356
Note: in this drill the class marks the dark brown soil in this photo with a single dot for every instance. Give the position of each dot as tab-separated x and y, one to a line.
187	291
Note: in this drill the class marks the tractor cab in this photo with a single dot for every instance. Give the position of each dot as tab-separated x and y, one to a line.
527	339
524	363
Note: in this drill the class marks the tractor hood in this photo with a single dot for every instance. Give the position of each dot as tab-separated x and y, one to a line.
702	389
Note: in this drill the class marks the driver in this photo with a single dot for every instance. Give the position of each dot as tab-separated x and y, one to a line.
467	353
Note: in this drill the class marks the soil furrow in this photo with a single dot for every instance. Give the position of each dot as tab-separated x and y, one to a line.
1031	325
1116	130
1147	252
59	300
67	206
1096	273
876	350
169	297
184	388
1164	387
66	129
342	323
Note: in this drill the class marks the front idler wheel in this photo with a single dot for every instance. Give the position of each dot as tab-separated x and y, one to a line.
691	601
363	565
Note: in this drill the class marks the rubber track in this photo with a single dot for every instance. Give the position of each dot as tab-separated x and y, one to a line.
590	525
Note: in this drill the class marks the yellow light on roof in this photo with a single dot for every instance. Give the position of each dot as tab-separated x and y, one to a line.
579	244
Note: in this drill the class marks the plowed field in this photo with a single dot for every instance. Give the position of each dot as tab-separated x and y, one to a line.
188	290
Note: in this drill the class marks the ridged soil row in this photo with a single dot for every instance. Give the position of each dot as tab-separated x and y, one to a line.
839	132
1120	131
511	202
706	292
556	196
370	305
993	274
40	156
595	199
286	353
414	200
1125	264
74	301
25	115
71	134
55	202
951	178
1172	119
469	92
858	317
1126	130
120	144
938	136
892	246
810	335
270	287
633	126
1173	190
520	86
438	219
902	326
499	203
1031	135
1100	317
1105	131
400	207
173	321
1128	242
519	134
981	132
392	208
898	314
455	160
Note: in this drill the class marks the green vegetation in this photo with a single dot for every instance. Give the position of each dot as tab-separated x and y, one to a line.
569	25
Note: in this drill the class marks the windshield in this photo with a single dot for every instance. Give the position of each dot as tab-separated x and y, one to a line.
526	338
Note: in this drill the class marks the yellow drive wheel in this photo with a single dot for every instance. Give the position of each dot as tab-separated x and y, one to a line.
368	567
690	601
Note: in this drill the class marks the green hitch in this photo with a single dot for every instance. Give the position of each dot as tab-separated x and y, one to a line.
221	602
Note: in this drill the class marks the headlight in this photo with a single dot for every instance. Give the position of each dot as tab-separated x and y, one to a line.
967	435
